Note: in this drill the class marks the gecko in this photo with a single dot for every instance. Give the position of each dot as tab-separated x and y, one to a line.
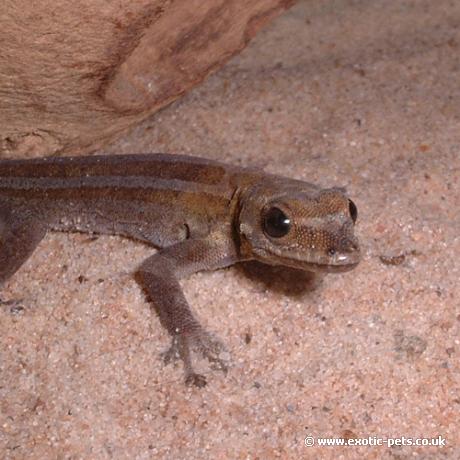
199	214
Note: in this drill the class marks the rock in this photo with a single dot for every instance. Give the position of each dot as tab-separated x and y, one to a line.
73	74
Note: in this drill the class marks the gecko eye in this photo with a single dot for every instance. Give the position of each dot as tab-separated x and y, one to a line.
275	223
353	210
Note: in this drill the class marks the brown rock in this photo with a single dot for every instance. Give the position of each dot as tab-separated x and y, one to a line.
73	74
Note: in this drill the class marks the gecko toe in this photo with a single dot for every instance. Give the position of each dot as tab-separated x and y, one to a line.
214	351
219	365
172	354
203	343
197	380
15	306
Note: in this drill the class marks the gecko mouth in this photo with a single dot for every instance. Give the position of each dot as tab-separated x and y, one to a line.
327	268
339	264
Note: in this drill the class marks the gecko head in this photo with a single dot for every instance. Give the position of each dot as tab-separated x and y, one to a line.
293	223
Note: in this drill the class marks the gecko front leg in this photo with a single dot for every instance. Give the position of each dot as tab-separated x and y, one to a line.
159	274
20	234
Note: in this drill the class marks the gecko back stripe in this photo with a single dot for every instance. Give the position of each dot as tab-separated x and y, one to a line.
139	184
158	165
155	195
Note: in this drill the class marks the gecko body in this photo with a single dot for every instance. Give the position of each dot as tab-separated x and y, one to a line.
200	214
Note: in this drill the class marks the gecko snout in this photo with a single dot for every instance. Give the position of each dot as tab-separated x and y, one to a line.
346	253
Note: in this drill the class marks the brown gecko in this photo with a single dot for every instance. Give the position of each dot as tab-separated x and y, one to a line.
202	215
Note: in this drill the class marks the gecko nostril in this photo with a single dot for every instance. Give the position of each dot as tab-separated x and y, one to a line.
348	246
331	252
353	246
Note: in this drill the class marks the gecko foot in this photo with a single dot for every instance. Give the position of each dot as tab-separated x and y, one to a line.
200	342
196	380
15	305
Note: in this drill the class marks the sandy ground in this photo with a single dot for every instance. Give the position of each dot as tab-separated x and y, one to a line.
362	94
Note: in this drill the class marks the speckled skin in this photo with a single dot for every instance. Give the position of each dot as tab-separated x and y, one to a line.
202	215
